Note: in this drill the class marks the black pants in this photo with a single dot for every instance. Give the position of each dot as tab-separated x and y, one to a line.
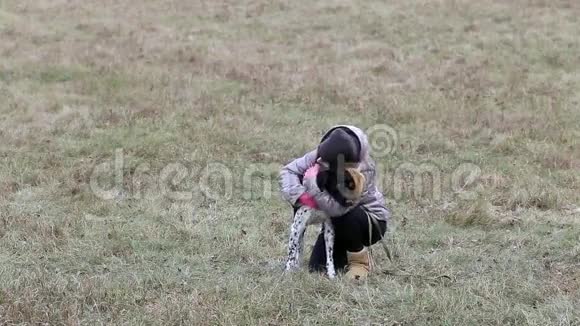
352	234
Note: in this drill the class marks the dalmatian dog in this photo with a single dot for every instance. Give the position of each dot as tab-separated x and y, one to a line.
305	216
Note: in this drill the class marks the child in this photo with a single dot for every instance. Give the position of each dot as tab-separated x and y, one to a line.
357	225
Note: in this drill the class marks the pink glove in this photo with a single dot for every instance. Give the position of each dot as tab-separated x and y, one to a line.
312	171
307	200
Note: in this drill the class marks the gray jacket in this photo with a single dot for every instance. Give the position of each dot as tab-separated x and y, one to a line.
372	199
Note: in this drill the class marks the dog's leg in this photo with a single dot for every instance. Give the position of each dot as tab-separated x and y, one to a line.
293	245
329	244
301	232
296	238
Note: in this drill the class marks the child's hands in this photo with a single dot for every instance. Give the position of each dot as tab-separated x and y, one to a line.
310	175
312	171
307	200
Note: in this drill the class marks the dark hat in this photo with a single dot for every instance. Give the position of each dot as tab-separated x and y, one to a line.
340	141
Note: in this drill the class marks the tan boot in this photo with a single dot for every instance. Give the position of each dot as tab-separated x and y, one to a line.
358	265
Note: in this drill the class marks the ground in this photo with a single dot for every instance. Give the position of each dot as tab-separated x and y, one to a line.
141	141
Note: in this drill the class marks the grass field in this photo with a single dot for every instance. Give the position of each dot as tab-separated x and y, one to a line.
140	143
